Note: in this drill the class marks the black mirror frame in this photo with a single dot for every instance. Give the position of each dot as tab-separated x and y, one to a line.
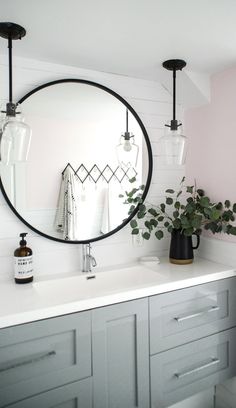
150	161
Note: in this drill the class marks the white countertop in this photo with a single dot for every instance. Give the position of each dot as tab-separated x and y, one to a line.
47	298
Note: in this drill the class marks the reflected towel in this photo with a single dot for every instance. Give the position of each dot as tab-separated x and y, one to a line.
66	220
114	209
105	224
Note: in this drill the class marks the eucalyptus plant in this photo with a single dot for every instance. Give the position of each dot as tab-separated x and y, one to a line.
188	209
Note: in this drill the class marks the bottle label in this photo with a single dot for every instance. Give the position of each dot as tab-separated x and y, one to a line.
23	267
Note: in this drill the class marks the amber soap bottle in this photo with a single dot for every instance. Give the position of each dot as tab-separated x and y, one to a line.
23	262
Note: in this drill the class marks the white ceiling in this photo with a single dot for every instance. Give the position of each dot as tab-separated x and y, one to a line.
130	37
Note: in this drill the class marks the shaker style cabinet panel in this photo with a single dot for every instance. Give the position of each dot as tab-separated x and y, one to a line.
186	370
75	395
39	356
188	314
121	355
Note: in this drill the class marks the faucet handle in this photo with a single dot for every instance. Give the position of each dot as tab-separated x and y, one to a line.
94	262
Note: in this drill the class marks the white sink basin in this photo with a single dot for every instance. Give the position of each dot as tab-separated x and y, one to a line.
93	285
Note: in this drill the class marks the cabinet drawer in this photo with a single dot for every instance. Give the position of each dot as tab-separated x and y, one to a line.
78	394
189	314
43	355
186	370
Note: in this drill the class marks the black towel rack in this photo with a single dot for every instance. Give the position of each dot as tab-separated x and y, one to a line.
107	174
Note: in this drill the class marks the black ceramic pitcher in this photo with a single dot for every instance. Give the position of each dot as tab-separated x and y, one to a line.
181	248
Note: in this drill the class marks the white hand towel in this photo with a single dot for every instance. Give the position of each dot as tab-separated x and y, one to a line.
66	220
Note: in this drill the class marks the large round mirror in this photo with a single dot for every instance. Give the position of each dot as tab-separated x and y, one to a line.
87	145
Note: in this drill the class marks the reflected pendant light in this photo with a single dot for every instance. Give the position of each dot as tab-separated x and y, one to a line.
127	150
173	145
14	133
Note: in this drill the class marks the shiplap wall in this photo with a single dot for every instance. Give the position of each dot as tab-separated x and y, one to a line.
153	104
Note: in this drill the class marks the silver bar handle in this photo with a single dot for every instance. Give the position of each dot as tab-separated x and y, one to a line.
31	360
213	362
93	260
197	314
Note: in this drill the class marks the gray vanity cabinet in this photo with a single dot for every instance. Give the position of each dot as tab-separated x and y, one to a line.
121	355
150	352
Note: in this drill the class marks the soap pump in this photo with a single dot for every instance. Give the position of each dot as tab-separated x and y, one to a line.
23	257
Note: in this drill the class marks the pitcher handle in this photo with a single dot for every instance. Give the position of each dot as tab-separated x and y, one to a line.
198	241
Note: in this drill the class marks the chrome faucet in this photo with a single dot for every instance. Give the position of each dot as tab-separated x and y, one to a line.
88	260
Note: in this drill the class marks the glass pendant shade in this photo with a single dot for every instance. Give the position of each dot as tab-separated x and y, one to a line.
173	147
15	135
127	152
15	139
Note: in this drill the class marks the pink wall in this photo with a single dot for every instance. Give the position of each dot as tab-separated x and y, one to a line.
212	141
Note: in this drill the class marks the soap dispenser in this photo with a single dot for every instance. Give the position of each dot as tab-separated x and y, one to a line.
23	257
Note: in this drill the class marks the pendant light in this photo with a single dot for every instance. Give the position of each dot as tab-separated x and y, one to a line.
173	145
127	150
14	133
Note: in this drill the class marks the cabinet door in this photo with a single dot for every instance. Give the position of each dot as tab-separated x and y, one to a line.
75	395
189	314
121	355
43	355
186	370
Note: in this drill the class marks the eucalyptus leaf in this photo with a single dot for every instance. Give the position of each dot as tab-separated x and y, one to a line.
169	200
215	214
135	231
200	192
140	214
189	189
163	207
160	218
153	212
177	223
146	235
153	222
142	207
159	234
188	232
204	201
133	223
233	231
148	225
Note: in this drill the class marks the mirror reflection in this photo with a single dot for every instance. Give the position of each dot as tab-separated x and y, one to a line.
85	148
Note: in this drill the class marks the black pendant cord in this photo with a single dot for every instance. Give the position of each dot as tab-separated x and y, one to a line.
174	65
11	107
127	134
11	31
10	67
174	94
